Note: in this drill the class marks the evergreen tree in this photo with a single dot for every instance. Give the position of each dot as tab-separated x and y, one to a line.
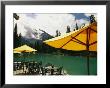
19	39
56	33
35	46
68	29
92	19
73	29
15	16
59	33
15	36
77	27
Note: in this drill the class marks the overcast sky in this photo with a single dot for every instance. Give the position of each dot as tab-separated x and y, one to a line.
29	22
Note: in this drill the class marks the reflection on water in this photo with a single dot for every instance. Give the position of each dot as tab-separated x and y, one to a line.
74	65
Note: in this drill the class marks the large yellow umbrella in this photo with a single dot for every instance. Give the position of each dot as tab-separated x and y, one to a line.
84	39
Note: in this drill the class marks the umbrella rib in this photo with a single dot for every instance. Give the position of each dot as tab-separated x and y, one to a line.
92	29
92	43
87	28
78	41
78	33
66	43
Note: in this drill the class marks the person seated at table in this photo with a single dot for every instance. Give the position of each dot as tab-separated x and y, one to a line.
43	71
37	68
52	70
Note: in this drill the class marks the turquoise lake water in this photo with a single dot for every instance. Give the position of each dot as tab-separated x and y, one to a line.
74	65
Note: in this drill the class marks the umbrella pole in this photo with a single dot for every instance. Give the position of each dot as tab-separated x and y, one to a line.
88	60
88	65
87	47
23	61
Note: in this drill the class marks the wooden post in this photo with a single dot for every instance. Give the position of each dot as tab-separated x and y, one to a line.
87	48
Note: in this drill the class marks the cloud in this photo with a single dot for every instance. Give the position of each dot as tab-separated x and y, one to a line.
82	22
89	14
31	15
52	22
24	24
47	22
29	33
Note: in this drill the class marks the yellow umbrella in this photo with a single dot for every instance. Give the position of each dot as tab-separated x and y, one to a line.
24	48
77	40
16	52
84	39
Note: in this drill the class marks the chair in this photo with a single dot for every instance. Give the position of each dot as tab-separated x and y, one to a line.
52	70
59	71
43	71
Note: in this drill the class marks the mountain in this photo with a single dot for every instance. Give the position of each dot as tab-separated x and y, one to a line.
45	35
37	34
39	37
